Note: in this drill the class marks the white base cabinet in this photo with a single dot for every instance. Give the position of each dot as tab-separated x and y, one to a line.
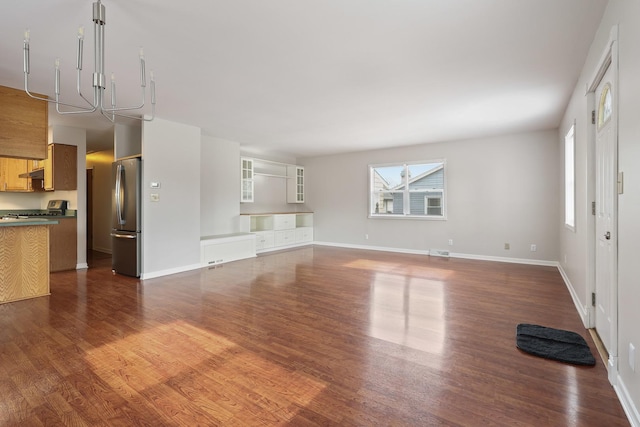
223	248
278	231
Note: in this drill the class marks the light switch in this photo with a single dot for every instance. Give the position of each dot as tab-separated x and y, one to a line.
155	184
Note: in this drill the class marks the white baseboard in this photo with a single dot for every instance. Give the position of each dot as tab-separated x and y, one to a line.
451	254
582	310
627	403
154	274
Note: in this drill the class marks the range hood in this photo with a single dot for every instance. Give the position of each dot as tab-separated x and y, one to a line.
35	174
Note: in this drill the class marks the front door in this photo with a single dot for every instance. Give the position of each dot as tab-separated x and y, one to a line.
606	196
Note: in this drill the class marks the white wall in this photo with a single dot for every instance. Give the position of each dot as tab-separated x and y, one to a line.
171	226
101	162
579	270
219	186
499	190
127	140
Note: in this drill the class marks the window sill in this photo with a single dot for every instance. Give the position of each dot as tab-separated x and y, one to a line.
412	217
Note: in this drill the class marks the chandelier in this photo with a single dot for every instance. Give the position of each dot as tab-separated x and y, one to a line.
99	80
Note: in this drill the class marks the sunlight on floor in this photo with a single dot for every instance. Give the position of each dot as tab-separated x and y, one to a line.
166	367
408	311
423	271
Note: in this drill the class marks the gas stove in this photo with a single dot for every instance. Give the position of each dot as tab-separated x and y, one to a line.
54	208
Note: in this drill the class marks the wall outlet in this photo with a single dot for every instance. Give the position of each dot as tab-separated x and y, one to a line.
507	246
632	357
155	197
366	237
534	248
450	242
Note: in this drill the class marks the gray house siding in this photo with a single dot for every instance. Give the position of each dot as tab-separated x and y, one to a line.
417	200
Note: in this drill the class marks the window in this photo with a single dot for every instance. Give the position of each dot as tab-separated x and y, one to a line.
415	190
569	179
605	107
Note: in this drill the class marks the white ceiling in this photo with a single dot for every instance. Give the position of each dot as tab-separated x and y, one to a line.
307	77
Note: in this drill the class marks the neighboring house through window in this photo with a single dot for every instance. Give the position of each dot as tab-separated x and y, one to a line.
408	190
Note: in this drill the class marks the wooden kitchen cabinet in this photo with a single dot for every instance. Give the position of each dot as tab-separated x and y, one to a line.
60	167
63	248
10	169
23	125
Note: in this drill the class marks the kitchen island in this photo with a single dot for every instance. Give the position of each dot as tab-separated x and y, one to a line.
24	258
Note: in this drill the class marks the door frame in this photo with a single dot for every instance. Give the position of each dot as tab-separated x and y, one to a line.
609	59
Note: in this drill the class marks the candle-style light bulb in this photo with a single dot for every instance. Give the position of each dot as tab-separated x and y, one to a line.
80	47
25	51
57	71
153	87
113	90
143	77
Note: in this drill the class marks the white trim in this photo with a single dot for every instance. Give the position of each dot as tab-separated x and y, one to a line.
627	403
605	60
583	311
451	255
82	266
608	59
169	271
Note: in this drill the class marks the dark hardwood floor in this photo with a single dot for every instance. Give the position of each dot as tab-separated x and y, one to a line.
316	336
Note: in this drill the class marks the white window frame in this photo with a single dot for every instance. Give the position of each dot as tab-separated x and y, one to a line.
570	178
428	197
373	197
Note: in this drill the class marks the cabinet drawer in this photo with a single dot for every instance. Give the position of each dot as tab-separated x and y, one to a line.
264	240
285	237
304	234
284	222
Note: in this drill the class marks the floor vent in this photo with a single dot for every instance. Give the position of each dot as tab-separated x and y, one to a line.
439	252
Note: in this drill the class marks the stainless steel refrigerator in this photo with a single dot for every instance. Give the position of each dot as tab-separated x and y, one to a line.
126	217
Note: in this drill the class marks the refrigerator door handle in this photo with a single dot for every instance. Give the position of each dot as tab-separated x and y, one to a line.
119	193
123	236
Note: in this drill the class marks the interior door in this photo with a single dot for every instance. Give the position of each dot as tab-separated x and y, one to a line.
606	196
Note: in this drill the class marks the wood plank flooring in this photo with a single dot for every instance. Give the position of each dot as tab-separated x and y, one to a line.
316	336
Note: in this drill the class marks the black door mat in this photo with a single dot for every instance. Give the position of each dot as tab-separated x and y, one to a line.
554	344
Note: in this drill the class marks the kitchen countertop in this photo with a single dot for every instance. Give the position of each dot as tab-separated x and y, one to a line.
70	213
16	222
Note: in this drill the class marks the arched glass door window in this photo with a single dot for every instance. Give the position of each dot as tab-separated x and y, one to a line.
605	107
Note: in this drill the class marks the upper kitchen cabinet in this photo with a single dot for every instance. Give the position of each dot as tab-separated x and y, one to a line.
246	183
10	171
295	184
60	167
23	125
252	168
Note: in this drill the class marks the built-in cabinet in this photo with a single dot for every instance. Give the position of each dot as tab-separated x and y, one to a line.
251	168
295	184
246	184
57	172
60	167
23	125
279	230
63	247
10	171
